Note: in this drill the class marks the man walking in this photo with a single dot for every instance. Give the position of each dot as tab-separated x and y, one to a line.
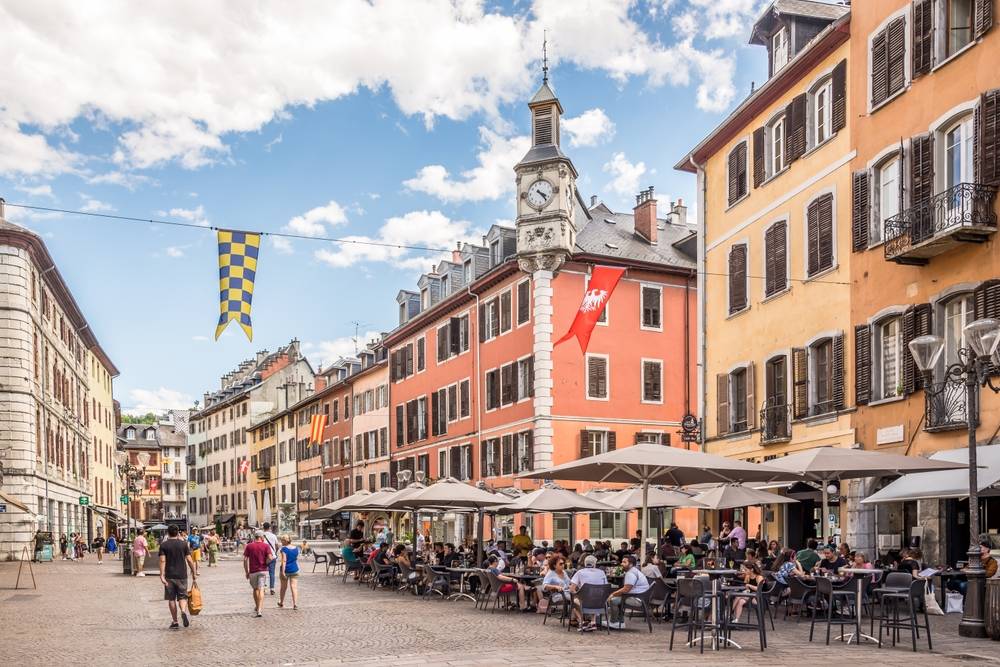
98	547
139	550
272	541
194	542
175	560
256	557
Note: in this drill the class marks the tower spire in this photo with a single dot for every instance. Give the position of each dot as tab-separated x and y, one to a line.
545	56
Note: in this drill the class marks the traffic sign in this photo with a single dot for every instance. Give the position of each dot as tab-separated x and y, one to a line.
124	499
84	500
3	508
192	486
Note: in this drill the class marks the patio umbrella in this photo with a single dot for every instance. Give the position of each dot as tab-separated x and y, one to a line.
552	499
265	514
658	496
159	526
726	496
328	510
251	511
449	493
649	464
826	464
370	501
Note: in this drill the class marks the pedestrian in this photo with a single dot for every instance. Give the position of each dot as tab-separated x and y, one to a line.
194	541
140	548
112	545
175	560
63	545
256	557
289	571
98	545
272	541
213	548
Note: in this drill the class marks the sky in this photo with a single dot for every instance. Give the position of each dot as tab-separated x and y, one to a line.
395	121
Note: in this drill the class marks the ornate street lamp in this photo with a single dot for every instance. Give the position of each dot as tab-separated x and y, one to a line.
972	371
132	482
309	496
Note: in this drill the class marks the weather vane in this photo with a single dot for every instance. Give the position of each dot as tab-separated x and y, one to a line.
545	57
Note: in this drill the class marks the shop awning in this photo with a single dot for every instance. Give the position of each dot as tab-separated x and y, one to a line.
225	518
943	483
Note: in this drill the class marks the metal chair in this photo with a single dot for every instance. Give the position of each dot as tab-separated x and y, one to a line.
335	562
757	602
799	593
320	558
352	566
593	600
644	600
563	601
694	600
496	594
659	594
828	595
434	582
910	600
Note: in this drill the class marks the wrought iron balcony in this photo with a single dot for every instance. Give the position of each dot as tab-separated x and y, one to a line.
945	407
961	214
775	422
189	459
263	474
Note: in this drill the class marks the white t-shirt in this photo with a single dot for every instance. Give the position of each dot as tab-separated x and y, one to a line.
637	580
272	541
651	571
589	575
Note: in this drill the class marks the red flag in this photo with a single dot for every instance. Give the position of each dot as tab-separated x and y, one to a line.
244	466
316	425
603	281
154	484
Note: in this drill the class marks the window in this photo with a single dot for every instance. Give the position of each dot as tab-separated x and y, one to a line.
463	396
738	399
422	418
775	416
819	235
651	307
421	354
523	302
737	278
888	351
888	189
779	50
425	299
958	152
489	320
776	145
130	434
495	253
505	314
737	173
888	61
822	112
775	259
958	313
652	381
821	354
493	389
597	377
442	463
445	285
467	272
453	403
525	378
596	442
959	25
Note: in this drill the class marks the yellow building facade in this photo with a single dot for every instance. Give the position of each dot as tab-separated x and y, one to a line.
263	467
105	484
774	217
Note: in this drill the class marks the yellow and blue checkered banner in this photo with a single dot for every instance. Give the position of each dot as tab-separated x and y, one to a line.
237	270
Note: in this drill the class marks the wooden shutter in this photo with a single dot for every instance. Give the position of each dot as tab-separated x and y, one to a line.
800	381
795	129
452	403
982	17
880	69
507	384
838	115
443	344
896	55
819	226
497	447
505	308
463	396
482	323
737	278
909	367
812	238
988	138
484	470
986	300
921	185
923	36
435	414
523	302
751	396
759	173
860	210
529	437
733	176
838	372
508	457
612	441
494	313
586	448
454	335
775	259
862	364
409	359
455	462
399	425
596	377
722	403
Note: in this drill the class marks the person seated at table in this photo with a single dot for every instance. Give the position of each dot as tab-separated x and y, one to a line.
563	548
576	555
909	561
724	533
636	542
786	566
588	574
587	546
751	557
601	551
831	561
753	577
774	549
522	542
623	551
538	562
666	549
437	552
687	561
450	557
634	583
860	561
697	547
844	549
808	557
988	562
351	559
509	584
733	555
557	583
653	567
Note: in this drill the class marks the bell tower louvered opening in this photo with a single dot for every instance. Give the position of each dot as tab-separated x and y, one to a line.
543	121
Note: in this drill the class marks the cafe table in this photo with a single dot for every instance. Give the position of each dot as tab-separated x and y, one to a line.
715	575
860	576
463	573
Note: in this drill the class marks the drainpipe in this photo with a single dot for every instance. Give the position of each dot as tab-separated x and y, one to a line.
702	268
479	420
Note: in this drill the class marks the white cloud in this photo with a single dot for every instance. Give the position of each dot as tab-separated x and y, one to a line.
325	352
491	179
200	339
174	251
91	205
426	229
625	175
726	18
157	400
127	179
36	190
210	72
282	245
194	215
590	128
311	223
274	142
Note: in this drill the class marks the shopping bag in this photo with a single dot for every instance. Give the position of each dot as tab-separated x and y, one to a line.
930	602
194	600
954	603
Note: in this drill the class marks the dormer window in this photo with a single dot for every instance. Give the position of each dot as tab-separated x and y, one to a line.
779	50
445	285
402	313
495	253
150	434
130	434
467	271
425	299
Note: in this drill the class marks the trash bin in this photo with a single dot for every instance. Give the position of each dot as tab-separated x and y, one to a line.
126	551
992	609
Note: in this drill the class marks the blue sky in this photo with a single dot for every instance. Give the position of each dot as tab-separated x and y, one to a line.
388	120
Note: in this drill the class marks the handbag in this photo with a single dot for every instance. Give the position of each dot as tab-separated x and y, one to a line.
954	603
195	602
930	602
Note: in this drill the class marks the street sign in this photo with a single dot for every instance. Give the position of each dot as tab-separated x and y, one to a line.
3	508
84	500
192	486
124	499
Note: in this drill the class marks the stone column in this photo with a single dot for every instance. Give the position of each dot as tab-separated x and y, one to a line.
860	532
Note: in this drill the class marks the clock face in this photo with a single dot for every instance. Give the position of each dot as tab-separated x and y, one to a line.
539	193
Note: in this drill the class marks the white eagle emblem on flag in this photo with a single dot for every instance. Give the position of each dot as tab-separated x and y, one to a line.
593	300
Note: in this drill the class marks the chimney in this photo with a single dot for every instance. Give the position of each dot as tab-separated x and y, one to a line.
456	254
645	215
593	201
680	211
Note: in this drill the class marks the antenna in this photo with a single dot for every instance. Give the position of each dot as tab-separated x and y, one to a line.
545	56
357	325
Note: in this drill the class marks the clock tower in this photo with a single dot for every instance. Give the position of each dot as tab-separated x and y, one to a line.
546	235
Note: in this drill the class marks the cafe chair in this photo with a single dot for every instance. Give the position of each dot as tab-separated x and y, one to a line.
353	566
799	595
320	558
593	601
908	601
434	582
659	595
639	602
482	589
495	594
829	597
695	603
561	601
756	602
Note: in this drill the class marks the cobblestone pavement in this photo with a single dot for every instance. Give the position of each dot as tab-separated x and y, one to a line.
82	611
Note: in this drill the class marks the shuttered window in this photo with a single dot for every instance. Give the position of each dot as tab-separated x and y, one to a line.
860	210
775	256
505	312
923	37
508	384
888	57
838	113
597	377
738	400
543	125
862	364
523	302
983	17
988	135
737	173
819	235
443	343
651	307
737	278
492	389
722	403
399	425
452	403
759	173
986	303
652	381
463	399
795	129
921	186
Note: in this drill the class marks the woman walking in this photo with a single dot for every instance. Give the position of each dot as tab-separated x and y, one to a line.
212	543
289	571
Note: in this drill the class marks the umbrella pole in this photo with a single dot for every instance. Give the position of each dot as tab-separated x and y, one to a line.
479	542
572	522
826	511
645	520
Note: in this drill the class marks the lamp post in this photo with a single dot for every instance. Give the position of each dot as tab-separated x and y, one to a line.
132	478
972	370
309	496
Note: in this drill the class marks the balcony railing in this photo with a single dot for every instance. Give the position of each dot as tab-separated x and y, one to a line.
775	422
189	459
961	214
946	407
263	474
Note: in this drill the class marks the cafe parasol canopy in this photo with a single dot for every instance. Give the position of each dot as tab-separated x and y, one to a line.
657	496
648	464
337	506
827	464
